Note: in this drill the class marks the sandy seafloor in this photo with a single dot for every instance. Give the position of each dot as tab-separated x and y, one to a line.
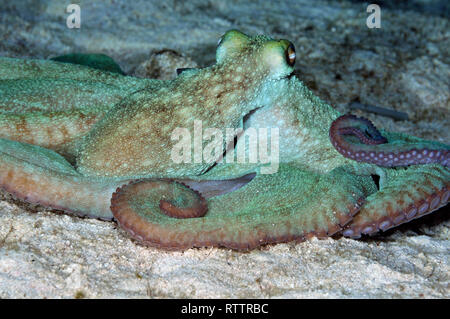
405	66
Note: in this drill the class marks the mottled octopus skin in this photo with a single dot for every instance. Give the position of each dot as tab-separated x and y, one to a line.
387	154
428	189
102	141
54	104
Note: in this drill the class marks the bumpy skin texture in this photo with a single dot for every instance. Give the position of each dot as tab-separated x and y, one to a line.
386	154
113	136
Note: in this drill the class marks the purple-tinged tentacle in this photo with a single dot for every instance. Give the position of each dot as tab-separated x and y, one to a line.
376	149
406	194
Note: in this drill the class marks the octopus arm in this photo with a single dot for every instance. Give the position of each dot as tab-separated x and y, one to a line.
404	194
356	138
41	176
300	204
92	60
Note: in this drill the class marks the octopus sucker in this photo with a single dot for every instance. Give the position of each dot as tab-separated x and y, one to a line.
97	143
367	134
199	209
41	176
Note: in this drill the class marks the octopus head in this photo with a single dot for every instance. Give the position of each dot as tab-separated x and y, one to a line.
261	55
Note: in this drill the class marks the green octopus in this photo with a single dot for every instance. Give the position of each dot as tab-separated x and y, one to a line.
152	154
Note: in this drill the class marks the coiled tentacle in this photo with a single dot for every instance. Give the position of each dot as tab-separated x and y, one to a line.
376	149
41	176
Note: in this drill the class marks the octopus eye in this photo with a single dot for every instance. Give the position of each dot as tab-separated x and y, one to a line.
290	55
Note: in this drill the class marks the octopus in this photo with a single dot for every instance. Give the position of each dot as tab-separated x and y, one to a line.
98	143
